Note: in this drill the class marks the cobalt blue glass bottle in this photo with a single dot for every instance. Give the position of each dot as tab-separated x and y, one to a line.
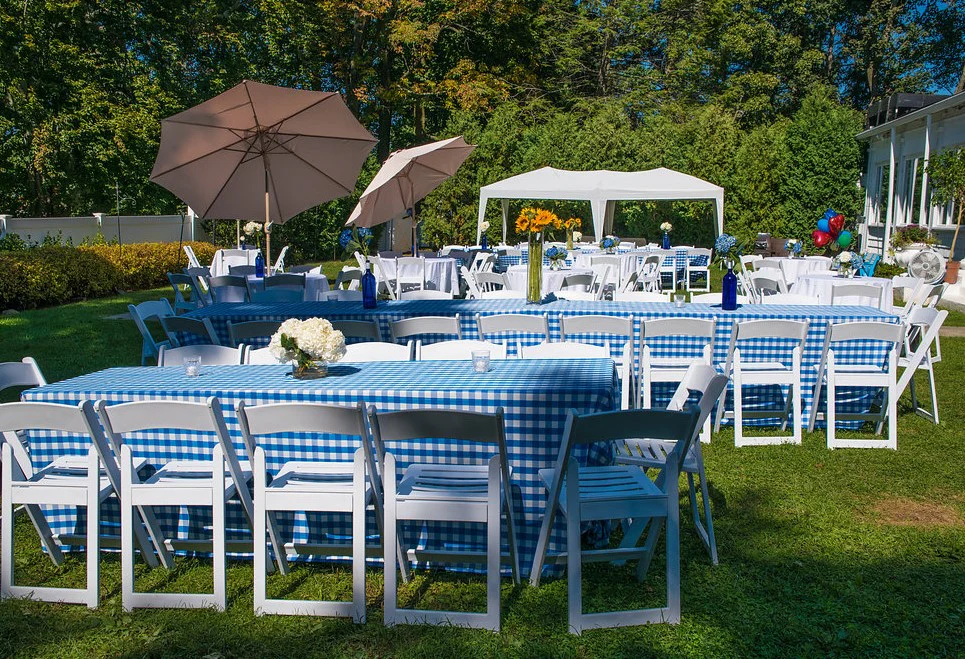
485	242
368	288
666	240
259	265
728	298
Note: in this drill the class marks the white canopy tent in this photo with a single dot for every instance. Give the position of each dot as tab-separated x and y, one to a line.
602	188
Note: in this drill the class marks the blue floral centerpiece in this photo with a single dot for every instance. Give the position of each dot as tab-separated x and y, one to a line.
848	263
793	246
727	248
609	244
666	227
557	257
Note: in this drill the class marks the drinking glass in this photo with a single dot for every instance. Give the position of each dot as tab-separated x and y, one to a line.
192	366
480	361
680	299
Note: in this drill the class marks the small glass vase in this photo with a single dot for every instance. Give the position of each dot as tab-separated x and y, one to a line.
666	240
728	296
310	370
534	285
556	264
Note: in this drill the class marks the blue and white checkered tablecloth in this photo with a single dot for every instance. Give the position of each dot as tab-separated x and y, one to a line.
535	397
817	316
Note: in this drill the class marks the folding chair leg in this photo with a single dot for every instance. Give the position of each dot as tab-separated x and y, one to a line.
127	531
708	516
93	529
6	525
574	555
390	601
493	550
259	529
358	538
218	528
829	416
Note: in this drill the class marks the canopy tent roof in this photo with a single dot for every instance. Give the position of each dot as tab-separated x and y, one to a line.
602	188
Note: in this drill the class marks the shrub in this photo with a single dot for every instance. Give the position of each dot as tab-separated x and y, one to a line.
49	275
910	235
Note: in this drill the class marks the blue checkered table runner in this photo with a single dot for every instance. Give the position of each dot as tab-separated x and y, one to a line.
535	396
386	312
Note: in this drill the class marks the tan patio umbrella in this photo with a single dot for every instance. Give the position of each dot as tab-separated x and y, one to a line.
406	177
261	152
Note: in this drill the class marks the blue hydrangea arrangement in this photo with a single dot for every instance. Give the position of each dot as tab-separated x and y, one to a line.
793	246
555	253
356	239
609	242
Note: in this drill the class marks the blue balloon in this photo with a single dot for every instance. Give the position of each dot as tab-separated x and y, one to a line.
823	225
828	214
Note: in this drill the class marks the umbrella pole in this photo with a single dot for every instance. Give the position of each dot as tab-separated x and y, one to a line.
238	233
267	233
415	232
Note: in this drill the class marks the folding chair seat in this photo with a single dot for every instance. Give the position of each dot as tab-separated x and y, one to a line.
668	347
475	493
582	494
652	453
882	374
210	482
141	314
310	486
68	480
785	337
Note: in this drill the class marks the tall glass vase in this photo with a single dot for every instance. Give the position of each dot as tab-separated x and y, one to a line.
535	280
569	239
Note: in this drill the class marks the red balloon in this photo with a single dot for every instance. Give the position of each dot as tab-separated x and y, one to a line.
820	238
836	224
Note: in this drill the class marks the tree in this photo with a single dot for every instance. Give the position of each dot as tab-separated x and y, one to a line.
946	176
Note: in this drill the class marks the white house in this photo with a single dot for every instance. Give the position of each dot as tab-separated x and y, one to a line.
896	177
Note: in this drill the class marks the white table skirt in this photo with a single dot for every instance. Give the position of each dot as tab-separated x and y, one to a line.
316	286
518	276
442	274
225	258
794	268
820	286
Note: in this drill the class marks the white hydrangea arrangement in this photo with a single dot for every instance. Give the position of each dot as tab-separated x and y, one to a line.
306	342
251	228
666	227
577	236
484	226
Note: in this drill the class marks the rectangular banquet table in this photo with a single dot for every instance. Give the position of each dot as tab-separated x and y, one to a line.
385	312
535	397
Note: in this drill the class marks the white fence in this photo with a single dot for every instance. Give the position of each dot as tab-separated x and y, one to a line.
124	229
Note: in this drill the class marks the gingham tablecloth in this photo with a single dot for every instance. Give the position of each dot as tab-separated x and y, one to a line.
818	317
535	397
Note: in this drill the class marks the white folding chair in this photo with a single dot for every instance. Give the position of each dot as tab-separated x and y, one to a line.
210	482
286	281
279	266
479	493
909	288
256	356
614	331
228	288
201	277
792	299
421	325
652	453
581	494
68	480
174	325
486	282
883	374
503	324
921	333
686	332
668	266
425	294
359	329
698	266
410	271
648	276
348	278
768	265
377	351
254	329
866	295
457	349
786	337
579	282
192	258
384	282
640	296
209	355
471	289
483	262
311	486
182	285
767	282
148	311
748	261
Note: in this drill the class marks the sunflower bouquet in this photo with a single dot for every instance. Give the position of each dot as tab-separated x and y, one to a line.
532	222
571	225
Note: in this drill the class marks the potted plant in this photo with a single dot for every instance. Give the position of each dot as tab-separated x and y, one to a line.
946	176
908	240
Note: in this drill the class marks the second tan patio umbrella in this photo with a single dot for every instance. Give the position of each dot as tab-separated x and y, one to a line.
406	177
262	153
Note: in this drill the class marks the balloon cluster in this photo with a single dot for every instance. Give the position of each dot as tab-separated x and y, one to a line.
831	231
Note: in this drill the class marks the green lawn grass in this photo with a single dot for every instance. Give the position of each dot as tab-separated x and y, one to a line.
821	552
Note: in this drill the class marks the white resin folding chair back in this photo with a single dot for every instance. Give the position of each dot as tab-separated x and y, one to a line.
359	329
748	261
793	299
209	482
582	494
311	486
385	283
252	329
883	375
652	454
279	266
184	284
69	480
487	282
866	295
286	280
579	282
425	294
377	351
192	257
228	288
141	314
410	272
909	287
420	325
699	270
25	373
501	325
615	331
209	355
349	278
242	270
457	349
173	325
480	493
648	276
472	290
767	281
786	337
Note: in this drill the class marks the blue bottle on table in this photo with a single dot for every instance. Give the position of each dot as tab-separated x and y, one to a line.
368	288
485	242
259	265
666	240
728	297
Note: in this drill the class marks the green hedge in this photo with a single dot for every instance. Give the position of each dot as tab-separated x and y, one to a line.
49	275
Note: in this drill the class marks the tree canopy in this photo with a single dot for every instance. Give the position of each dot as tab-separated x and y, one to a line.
760	97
